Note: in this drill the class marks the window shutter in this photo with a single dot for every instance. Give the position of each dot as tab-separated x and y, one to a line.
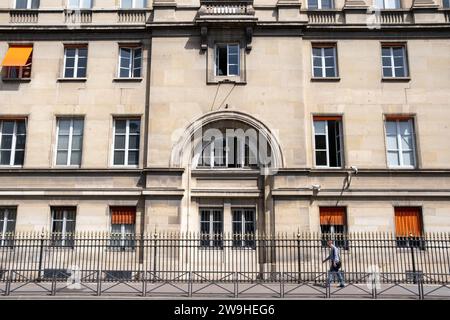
332	216
408	221
123	215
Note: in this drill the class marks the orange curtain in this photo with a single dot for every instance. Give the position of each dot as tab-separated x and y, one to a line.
123	215
332	216
326	118
408	221
17	56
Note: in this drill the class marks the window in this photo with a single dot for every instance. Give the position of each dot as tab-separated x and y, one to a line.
328	142
130	62
69	141
12	142
7	225
446	3
387	4
123	220
244	227
27	4
324	61
211	227
17	62
394	61
227	60
408	226
126	142
133	4
230	152
79	4
320	4
333	225
400	143
75	62
63	226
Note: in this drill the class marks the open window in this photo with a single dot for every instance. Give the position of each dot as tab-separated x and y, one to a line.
17	62
328	142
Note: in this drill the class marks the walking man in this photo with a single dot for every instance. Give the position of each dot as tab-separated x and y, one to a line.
335	264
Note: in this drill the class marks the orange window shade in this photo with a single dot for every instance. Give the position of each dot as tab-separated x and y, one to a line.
123	215
326	118
17	56
332	216
398	117
408	221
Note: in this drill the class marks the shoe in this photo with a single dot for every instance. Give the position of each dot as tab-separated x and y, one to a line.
341	286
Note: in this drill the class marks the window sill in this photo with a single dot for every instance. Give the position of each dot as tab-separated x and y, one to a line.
16	80
402	168
71	79
325	79
227	80
128	79
396	79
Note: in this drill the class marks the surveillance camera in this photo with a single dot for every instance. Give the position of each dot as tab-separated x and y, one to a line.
355	169
316	187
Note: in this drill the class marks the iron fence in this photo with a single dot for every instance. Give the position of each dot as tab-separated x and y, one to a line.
192	259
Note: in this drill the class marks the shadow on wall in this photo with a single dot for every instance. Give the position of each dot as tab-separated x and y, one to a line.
193	43
9	86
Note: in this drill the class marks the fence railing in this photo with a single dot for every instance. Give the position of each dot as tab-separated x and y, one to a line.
169	256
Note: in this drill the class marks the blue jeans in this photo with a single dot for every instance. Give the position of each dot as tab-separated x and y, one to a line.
332	273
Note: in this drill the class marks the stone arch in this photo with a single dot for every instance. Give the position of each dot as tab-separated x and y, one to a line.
183	148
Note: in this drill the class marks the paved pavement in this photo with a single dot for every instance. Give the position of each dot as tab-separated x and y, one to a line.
219	291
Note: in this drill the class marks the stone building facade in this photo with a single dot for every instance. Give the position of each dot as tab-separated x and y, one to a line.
105	105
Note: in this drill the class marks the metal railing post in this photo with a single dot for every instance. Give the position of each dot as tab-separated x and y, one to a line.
99	282
8	282
41	256
412	259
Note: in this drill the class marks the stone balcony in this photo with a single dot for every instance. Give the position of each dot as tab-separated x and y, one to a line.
61	18
226	11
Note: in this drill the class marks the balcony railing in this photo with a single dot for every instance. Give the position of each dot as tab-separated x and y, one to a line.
77	16
323	16
392	17
222	8
132	16
23	16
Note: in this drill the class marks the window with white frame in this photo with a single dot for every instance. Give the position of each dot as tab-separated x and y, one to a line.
229	152
27	4
400	143
63	226
324	61
328	142
69	142
244	227
12	142
394	61
227	59
126	142
132	4
130	62
75	61
320	4
387	4
123	221
211	227
79	4
7	225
